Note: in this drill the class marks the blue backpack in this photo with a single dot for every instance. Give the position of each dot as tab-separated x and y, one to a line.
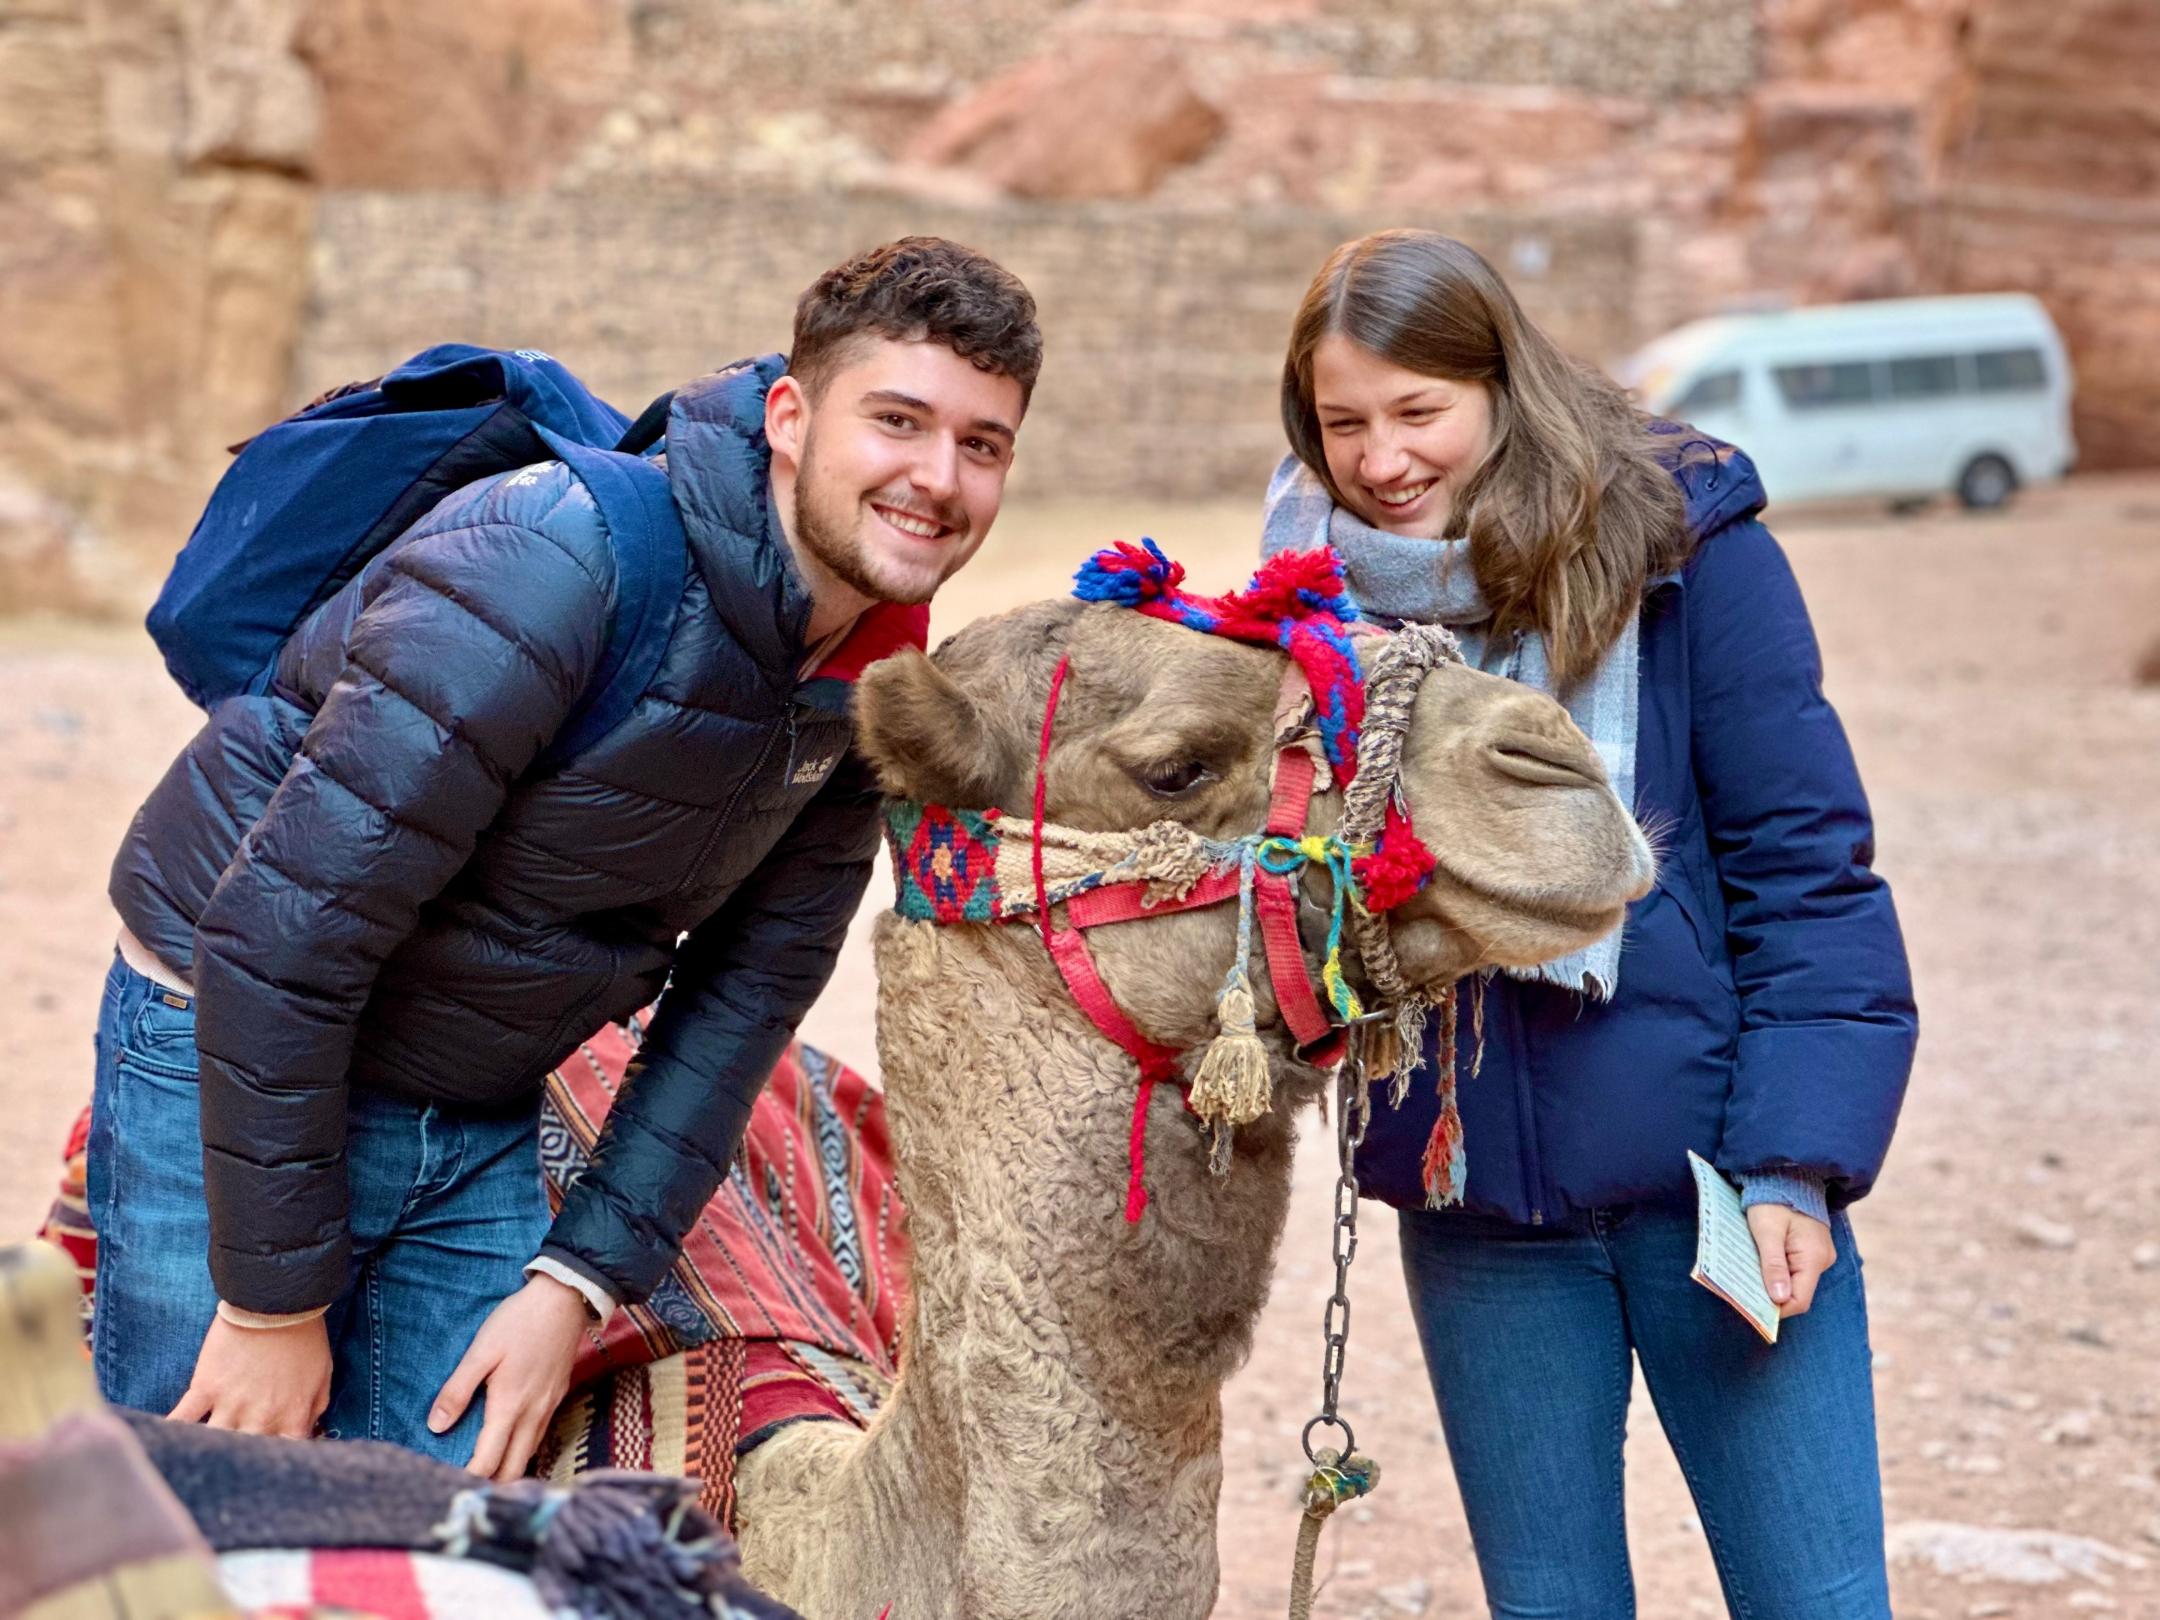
310	500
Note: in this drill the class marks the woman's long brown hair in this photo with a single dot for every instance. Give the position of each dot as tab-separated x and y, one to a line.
1569	515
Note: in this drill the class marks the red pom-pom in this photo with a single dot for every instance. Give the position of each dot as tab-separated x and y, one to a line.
1288	582
1398	866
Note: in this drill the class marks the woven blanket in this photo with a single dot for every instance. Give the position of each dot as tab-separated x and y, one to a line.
379	1581
784	1305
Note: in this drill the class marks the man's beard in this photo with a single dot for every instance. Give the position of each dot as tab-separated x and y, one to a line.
835	540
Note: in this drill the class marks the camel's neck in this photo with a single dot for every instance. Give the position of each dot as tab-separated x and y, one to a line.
1054	1445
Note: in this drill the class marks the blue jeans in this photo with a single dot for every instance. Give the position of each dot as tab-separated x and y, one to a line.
445	1211
1530	1334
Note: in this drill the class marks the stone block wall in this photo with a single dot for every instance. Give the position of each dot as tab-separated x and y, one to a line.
1164	330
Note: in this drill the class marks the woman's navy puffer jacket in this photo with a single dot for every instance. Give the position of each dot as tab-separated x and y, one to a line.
1764	1016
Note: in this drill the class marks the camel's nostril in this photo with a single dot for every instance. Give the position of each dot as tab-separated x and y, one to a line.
1547	761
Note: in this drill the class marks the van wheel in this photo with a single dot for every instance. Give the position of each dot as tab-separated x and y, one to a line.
1986	483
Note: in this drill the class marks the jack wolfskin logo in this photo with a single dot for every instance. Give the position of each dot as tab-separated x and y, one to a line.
814	770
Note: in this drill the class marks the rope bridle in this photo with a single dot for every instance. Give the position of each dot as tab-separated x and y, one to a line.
958	866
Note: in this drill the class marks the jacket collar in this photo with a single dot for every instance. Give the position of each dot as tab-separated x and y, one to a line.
719	471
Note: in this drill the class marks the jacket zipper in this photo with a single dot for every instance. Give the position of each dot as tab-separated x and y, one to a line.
1532	1171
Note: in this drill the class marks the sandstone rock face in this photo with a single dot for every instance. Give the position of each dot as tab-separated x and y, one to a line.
1108	119
41	561
154	231
487	95
2053	186
267	196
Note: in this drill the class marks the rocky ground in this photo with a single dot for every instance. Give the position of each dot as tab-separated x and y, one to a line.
1984	668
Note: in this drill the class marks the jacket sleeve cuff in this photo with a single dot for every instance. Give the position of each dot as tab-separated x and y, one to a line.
264	1320
1798	1190
557	1267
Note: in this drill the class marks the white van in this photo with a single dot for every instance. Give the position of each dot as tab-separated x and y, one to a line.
1901	398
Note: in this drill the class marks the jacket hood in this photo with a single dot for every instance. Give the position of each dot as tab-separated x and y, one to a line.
1717	480
719	472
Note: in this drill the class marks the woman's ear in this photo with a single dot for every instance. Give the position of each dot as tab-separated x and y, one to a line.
925	737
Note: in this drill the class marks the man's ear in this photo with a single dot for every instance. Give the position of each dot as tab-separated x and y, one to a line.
925	737
787	419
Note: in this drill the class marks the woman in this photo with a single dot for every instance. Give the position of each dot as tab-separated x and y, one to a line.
1756	1007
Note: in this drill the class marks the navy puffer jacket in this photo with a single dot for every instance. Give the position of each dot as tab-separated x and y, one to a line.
370	883
1765	1013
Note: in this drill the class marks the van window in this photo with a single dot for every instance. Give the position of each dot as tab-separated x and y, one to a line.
1925	376
1713	390
2004	370
1849	382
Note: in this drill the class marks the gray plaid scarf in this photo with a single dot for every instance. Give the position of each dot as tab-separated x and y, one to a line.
1395	577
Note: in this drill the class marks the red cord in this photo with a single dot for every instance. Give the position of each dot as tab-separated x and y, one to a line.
1136	1149
1042	764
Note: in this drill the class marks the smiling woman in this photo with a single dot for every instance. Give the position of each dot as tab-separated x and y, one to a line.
1754	1007
1439	417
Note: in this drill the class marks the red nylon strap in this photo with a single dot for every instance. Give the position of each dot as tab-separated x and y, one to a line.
1291	798
1127	902
1276	902
1070	952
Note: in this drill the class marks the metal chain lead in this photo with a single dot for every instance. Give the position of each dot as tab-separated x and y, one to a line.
1353	1113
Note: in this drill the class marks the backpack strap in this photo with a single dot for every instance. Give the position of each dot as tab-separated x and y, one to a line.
648	430
651	559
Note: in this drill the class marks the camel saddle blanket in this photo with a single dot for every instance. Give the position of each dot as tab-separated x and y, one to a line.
784	1306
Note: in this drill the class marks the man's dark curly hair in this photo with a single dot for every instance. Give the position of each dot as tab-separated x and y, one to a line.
918	289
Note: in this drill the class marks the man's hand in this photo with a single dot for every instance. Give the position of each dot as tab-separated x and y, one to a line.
1795	1250
523	1354
260	1380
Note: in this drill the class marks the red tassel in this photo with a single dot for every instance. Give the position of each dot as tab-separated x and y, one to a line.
1444	1166
1442	1149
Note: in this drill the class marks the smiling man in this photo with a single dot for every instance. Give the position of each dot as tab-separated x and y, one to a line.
367	910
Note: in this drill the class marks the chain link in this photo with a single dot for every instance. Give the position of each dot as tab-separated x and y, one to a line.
1353	1113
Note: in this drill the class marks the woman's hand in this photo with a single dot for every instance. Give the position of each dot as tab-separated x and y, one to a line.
1795	1250
260	1380
523	1354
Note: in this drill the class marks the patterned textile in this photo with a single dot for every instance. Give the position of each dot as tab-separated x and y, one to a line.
388	1583
784	1305
608	1547
801	1242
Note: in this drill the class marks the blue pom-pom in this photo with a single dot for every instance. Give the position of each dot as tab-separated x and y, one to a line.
1127	574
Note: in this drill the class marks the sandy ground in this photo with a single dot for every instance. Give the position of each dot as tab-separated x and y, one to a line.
1983	667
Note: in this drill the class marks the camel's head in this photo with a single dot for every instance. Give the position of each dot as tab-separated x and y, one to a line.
1536	856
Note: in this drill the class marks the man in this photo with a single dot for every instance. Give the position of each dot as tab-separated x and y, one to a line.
363	916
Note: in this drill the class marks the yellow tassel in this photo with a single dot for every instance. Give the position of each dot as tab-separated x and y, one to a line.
1339	992
1233	1084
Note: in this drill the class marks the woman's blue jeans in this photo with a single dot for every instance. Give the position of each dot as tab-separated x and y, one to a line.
1530	1335
444	1210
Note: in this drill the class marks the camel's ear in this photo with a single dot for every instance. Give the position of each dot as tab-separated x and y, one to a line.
925	737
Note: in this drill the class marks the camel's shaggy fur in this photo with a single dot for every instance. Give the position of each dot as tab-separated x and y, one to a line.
1053	1447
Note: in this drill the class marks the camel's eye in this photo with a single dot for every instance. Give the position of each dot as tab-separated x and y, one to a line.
1167	778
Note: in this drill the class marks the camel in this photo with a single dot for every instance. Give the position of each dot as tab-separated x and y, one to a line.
1052	1448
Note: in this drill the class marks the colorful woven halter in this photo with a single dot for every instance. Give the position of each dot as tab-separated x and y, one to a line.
978	866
